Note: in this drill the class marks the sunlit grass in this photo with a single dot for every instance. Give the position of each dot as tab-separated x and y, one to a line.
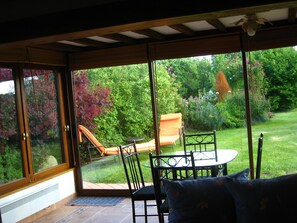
279	151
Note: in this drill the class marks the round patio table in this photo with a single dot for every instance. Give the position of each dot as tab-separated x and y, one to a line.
133	139
225	156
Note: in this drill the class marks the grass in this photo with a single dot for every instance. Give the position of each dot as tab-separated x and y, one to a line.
279	151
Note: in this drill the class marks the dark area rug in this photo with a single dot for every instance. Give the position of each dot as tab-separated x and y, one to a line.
95	201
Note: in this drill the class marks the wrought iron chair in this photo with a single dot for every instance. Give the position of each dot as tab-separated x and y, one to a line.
138	190
259	156
173	167
204	146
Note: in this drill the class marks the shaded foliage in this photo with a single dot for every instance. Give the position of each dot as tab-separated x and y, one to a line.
90	102
8	122
41	102
231	66
280	69
195	75
226	109
131	112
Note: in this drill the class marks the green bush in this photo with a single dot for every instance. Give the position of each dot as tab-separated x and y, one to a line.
205	113
40	151
259	109
10	165
229	120
280	73
130	112
201	113
233	110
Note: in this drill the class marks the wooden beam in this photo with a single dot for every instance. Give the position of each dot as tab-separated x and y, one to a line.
92	43
116	17
292	15
34	56
151	33
132	54
217	24
61	47
183	29
120	38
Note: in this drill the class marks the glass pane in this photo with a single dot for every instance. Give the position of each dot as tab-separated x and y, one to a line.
273	75
209	93
113	104
11	166
43	116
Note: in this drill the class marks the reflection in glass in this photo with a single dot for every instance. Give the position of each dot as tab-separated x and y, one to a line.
11	166
43	116
114	104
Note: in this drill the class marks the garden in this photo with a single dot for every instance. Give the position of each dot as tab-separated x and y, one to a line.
115	103
278	158
209	92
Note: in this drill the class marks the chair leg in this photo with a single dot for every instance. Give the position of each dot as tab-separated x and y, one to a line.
133	211
145	210
160	216
161	220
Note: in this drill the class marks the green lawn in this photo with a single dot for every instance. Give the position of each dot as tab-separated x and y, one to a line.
279	151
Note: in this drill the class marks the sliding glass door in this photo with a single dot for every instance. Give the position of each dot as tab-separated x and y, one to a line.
33	137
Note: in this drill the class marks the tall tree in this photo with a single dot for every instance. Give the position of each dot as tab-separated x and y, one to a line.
90	102
280	68
231	66
194	75
131	112
222	86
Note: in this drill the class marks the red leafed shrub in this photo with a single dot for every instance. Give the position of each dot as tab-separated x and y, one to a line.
90	102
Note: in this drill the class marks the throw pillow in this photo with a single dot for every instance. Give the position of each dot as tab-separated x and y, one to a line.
265	200
201	200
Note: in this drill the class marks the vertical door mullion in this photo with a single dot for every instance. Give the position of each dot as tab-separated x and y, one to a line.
65	127
25	139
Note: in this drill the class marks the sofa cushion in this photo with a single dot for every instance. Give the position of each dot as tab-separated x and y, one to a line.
265	200
202	199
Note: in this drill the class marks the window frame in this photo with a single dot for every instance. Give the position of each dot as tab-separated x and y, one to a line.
30	177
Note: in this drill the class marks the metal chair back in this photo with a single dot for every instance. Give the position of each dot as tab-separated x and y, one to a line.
132	167
204	144
259	156
138	190
173	167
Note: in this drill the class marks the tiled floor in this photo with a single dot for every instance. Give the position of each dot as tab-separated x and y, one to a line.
120	213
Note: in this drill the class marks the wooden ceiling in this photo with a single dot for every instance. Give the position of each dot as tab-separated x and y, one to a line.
125	23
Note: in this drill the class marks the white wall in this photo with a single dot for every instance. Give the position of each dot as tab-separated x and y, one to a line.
29	201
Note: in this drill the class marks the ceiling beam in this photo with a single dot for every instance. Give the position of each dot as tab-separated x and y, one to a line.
90	42
217	24
116	17
151	33
120	38
292	15
61	47
183	29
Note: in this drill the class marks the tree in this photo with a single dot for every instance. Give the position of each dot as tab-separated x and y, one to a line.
222	86
231	66
131	113
8	120
280	68
194	75
90	102
41	102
